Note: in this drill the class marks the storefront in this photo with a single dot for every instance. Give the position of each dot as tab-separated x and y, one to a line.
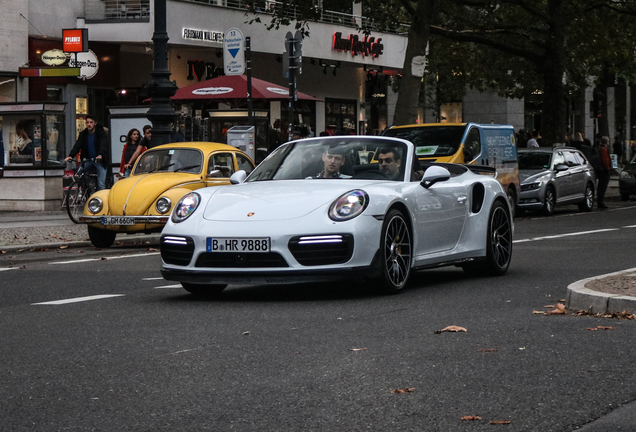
33	137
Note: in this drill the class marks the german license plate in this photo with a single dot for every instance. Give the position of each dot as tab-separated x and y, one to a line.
238	244
117	220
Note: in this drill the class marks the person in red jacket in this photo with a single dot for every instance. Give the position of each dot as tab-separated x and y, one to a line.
604	174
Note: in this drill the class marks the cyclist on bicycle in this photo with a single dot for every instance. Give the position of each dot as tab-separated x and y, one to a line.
92	143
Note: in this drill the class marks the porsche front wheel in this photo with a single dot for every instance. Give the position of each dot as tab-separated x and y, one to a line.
203	290
396	252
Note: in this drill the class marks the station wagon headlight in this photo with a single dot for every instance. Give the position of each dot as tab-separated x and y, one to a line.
626	175
185	207
163	205
95	205
349	205
531	186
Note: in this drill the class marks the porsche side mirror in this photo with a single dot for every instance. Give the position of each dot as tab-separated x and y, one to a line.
238	177
561	167
434	174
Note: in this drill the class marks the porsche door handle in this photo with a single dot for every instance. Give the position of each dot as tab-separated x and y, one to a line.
462	199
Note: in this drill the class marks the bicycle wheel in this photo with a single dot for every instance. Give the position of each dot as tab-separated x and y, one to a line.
75	200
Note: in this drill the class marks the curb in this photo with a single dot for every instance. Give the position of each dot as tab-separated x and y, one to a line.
581	298
127	241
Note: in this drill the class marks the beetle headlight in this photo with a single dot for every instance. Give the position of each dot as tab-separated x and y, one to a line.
163	205
349	205
95	205
185	207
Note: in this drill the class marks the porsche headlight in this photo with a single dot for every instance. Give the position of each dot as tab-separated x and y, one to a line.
163	205
349	205
95	205
531	186
185	207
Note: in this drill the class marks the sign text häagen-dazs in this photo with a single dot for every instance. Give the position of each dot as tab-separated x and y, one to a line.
366	46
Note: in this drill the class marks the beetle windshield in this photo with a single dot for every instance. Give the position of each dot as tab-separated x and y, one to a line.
342	158
169	160
534	160
431	140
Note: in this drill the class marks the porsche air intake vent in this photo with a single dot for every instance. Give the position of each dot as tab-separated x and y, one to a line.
177	250
315	250
477	200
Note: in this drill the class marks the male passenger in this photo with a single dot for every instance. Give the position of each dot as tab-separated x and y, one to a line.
333	158
389	162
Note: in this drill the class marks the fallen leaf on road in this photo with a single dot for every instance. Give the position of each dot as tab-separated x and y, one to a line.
357	349
487	350
534	312
103	258
600	328
63	247
560	310
406	390
53	235
153	250
247	333
39	249
4	252
500	422
471	418
549	306
80	251
452	328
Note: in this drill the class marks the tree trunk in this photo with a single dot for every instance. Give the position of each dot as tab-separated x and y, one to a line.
554	108
409	91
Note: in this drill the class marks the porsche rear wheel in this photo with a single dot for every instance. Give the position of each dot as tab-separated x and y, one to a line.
498	244
101	238
396	248
203	290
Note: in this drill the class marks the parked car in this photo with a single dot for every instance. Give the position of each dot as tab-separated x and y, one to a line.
627	180
161	177
377	218
555	176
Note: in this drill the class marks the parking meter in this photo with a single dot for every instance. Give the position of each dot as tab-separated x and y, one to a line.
242	137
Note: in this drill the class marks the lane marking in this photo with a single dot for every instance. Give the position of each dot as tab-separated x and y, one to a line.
630	226
564	235
9	268
105	258
169	286
79	299
153	278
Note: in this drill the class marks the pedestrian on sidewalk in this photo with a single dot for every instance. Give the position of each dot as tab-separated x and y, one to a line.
133	140
603	174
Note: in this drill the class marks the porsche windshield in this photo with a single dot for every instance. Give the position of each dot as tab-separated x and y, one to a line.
335	158
169	160
431	140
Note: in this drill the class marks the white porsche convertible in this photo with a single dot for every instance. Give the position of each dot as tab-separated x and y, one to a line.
339	208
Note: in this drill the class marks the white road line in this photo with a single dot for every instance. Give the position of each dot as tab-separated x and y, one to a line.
79	299
154	278
105	258
9	268
564	235
630	226
169	286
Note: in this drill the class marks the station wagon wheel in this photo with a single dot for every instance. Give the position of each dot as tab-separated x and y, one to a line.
549	201
101	238
396	252
203	290
588	200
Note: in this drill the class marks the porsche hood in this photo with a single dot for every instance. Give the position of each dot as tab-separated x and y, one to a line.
275	200
133	196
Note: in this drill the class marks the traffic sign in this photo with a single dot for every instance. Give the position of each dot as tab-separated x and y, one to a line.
233	52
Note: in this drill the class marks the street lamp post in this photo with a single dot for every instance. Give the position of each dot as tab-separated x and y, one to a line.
160	88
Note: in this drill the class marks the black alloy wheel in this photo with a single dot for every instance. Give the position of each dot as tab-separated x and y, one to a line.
498	244
397	252
588	200
549	201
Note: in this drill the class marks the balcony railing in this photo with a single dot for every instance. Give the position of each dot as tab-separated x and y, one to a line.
116	10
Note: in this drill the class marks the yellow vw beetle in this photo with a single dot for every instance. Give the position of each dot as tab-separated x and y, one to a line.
160	178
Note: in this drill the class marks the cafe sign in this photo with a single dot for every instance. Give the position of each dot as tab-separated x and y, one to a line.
53	57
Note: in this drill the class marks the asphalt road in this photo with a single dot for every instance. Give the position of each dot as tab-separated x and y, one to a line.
147	356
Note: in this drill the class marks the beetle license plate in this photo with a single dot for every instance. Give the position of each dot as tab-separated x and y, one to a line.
237	244
117	220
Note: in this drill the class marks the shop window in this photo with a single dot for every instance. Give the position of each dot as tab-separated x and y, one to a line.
341	116
8	89
54	94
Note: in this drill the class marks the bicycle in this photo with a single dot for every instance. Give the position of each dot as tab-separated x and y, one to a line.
83	186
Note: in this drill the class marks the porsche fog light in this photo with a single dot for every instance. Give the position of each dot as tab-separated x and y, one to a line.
185	207
349	205
163	205
95	205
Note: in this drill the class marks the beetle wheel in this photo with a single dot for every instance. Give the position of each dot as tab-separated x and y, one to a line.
396	249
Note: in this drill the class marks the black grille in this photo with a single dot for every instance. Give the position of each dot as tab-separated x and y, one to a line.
314	250
177	250
241	260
